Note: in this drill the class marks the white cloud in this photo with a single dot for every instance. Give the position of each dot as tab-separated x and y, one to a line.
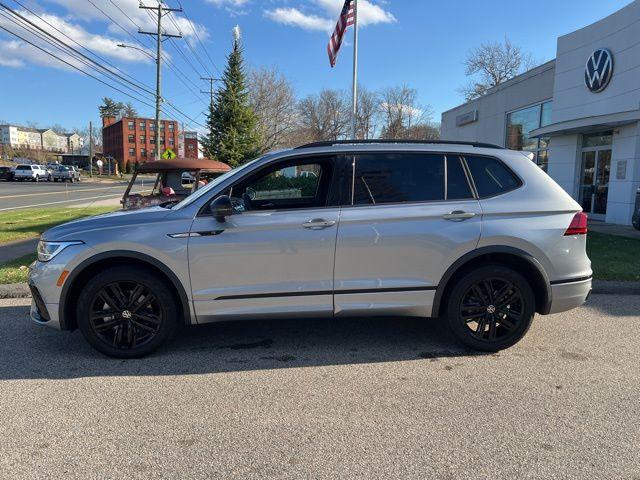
368	14
293	16
129	16
16	53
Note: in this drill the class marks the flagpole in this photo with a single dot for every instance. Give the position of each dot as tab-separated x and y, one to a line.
354	112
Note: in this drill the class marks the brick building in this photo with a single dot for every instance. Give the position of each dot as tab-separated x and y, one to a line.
191	146
131	140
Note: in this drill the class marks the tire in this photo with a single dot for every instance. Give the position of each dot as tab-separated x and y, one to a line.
36	179
490	321
115	331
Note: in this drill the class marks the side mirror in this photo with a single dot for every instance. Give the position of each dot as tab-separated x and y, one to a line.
221	208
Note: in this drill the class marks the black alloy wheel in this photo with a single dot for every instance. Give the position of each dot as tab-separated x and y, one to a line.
125	315
126	312
490	308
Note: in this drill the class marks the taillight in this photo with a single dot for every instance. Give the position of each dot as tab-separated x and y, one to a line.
578	225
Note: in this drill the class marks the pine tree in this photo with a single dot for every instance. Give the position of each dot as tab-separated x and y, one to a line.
109	108
233	137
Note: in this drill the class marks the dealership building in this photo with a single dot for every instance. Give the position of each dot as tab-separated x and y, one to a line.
579	115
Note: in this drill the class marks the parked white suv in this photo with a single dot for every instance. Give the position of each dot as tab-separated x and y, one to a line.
30	172
472	234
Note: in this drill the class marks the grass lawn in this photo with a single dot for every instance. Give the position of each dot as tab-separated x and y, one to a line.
31	222
16	271
614	257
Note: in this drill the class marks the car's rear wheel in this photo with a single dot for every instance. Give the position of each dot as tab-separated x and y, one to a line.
490	308
126	312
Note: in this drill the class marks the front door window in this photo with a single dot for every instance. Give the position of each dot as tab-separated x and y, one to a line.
596	169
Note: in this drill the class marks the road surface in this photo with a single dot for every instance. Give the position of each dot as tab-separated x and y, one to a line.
383	398
18	195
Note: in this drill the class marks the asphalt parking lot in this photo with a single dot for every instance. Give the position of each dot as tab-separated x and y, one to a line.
18	195
384	398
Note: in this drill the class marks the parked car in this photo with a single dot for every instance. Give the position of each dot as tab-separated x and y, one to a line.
32	172
65	173
474	235
6	173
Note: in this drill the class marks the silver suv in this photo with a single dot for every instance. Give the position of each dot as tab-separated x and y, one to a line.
473	234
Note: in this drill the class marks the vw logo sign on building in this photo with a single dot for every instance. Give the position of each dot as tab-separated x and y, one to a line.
599	70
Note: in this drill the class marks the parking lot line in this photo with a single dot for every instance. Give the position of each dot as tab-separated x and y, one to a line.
102	197
57	192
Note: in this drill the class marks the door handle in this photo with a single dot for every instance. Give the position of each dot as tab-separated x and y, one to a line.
458	216
318	224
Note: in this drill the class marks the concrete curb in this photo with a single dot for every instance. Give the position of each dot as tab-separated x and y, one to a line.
600	287
14	290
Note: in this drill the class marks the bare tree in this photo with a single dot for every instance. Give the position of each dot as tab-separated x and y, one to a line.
423	131
492	64
368	113
401	111
325	116
273	100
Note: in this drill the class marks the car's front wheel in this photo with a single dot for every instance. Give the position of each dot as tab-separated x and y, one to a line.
126	312
490	308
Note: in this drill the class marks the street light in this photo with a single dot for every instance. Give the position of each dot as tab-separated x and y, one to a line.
123	45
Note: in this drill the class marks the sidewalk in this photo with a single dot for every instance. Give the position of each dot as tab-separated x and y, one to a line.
611	229
14	250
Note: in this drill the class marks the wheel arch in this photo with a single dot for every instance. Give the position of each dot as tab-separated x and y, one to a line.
89	267
521	261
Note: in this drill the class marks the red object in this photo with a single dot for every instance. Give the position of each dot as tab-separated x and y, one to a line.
129	140
168	191
184	165
578	225
346	19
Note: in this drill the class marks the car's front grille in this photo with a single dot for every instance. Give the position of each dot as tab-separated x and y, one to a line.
40	305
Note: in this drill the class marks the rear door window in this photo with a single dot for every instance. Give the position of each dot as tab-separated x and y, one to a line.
458	187
382	178
491	176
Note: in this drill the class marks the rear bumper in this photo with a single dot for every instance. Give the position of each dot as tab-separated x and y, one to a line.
570	294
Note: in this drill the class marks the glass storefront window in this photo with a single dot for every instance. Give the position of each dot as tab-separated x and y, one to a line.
519	126
545	115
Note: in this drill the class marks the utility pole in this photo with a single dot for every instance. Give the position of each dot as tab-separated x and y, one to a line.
91	149
160	37
211	80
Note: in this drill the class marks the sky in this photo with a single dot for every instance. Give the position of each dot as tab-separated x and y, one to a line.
420	43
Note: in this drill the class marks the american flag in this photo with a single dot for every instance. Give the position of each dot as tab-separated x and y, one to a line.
346	19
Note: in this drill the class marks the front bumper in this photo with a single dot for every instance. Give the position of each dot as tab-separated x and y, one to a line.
569	295
45	292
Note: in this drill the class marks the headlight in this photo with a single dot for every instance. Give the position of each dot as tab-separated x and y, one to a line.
48	250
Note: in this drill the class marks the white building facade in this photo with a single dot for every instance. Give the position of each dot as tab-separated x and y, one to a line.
578	114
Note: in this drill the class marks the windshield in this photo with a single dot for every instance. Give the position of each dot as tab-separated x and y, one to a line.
212	184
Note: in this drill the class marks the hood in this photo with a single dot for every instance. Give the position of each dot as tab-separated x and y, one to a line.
75	229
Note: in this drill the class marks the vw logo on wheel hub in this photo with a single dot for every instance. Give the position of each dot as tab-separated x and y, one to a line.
126	314
599	70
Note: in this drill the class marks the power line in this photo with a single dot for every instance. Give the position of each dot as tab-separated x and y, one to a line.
190	47
77	43
195	31
74	66
67	49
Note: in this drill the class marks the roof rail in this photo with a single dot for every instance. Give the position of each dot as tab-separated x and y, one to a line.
331	143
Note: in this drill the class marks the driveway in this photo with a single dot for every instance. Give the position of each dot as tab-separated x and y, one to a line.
383	398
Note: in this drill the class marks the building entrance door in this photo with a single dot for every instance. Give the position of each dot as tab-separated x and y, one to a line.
594	187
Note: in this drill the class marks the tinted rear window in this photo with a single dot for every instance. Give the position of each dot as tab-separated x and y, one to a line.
23	167
490	176
457	184
398	178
